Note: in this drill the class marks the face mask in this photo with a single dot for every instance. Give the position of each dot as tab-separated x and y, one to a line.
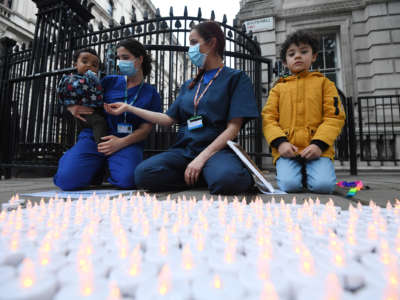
197	58
126	67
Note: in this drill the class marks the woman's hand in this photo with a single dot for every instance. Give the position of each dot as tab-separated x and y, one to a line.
311	152
116	108
193	170
78	110
110	145
286	149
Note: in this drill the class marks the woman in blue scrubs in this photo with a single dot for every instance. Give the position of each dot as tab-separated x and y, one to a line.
122	150
210	110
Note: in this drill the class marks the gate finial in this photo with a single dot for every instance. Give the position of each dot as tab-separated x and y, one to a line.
199	13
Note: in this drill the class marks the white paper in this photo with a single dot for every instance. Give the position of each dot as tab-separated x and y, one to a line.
77	194
266	187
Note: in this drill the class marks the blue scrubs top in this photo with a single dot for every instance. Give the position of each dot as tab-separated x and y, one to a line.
114	91
229	96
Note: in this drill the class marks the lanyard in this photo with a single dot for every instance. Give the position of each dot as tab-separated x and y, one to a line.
134	98
196	99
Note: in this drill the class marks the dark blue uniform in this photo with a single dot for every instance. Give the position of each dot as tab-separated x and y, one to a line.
230	96
83	165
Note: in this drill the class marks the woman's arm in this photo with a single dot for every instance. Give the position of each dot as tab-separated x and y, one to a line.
148	115
78	110
193	169
112	144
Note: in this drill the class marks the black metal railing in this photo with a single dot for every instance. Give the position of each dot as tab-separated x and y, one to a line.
345	144
379	128
37	134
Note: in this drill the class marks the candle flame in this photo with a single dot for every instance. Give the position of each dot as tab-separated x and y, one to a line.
269	292
27	276
217	282
333	288
187	258
164	280
115	293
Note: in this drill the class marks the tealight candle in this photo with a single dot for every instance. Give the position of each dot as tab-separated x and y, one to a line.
29	285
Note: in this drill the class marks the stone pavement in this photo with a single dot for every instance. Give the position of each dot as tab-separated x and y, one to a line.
381	187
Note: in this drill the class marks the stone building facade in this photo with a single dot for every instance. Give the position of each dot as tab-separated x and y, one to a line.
360	52
361	37
18	17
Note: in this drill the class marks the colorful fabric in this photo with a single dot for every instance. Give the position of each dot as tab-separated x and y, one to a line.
354	186
76	89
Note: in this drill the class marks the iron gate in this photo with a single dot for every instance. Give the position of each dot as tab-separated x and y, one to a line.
35	133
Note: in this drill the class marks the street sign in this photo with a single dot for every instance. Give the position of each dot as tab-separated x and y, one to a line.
259	24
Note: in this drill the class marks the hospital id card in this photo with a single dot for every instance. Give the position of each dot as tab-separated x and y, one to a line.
124	128
195	122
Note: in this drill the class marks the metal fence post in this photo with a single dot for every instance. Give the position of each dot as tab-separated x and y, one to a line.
7	45
352	136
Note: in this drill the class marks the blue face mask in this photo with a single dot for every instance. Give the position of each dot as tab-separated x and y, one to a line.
126	67
197	58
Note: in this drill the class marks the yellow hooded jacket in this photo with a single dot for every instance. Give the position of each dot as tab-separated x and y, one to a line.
302	108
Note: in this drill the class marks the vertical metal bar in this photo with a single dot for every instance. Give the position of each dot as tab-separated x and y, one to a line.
352	145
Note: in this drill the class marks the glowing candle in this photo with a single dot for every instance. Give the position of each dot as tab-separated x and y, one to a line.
29	285
164	281
268	292
333	289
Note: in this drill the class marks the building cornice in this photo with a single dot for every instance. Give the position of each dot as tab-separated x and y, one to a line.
326	8
261	8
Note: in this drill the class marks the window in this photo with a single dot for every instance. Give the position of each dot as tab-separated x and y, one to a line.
7	3
110	8
328	57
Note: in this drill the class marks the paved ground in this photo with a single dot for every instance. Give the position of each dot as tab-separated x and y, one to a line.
380	187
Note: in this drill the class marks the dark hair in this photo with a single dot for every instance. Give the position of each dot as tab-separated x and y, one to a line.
80	51
298	37
137	49
208	30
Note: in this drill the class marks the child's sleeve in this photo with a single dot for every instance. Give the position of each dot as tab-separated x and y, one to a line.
65	91
334	115
270	119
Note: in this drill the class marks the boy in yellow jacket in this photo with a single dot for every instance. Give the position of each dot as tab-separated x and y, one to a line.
302	118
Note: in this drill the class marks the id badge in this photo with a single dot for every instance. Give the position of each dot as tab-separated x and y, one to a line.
195	122
124	128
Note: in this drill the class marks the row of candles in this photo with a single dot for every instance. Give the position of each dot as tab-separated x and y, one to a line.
139	247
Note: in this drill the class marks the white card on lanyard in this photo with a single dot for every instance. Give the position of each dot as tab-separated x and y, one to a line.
195	122
124	128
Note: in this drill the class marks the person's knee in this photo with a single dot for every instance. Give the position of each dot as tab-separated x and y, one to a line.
67	181
124	180
290	184
146	176
322	185
229	182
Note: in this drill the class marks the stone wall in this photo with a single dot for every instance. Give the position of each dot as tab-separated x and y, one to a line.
376	48
369	33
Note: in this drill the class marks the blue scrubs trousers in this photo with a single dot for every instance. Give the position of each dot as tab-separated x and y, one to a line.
83	165
223	173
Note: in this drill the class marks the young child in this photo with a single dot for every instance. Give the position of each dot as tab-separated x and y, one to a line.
302	118
84	88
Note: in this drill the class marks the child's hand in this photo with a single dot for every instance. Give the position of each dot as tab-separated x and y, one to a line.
286	149
116	108
78	110
311	152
